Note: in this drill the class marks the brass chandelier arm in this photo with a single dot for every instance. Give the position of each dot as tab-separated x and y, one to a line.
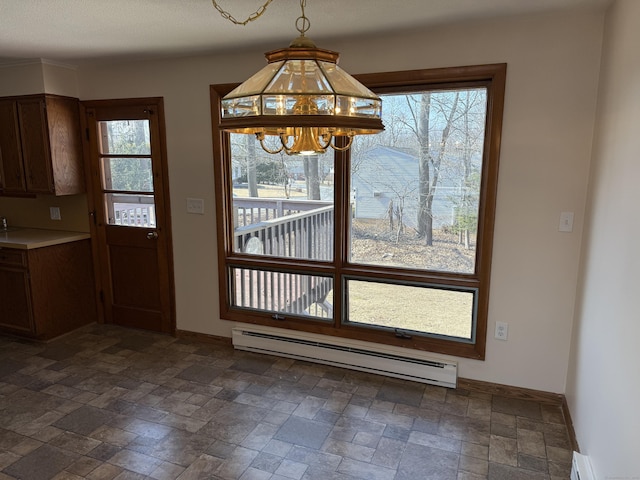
255	15
342	149
327	142
261	137
324	142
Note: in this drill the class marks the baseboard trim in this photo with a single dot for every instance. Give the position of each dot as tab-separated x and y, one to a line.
569	422
511	392
555	399
45	341
202	337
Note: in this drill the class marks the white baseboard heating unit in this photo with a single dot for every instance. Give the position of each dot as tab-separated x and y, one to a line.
353	354
581	468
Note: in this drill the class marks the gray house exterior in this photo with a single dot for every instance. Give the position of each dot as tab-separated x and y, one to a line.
374	186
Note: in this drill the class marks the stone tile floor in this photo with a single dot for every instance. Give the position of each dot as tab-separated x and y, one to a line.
111	403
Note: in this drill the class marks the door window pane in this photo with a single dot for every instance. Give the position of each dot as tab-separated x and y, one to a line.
283	293
125	137
282	205
413	309
415	188
130	210
127	174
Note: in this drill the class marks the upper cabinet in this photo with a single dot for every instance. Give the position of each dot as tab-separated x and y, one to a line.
40	146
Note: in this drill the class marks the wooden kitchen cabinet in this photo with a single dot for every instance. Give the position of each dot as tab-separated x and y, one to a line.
46	292
40	146
15	293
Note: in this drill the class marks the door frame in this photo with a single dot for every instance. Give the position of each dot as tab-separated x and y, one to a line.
100	268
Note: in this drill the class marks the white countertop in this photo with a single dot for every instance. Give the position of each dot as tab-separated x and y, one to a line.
28	238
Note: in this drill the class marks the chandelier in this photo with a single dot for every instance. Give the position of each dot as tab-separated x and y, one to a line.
301	98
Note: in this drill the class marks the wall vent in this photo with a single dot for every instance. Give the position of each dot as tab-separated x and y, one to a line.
353	354
581	468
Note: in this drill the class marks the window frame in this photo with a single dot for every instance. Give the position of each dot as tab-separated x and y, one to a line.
493	78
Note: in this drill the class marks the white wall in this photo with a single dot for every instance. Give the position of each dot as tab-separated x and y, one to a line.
38	76
553	65
60	79
21	79
603	387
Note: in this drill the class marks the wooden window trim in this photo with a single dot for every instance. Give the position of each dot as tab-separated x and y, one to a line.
493	77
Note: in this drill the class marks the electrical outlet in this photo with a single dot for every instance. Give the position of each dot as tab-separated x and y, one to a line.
502	330
54	213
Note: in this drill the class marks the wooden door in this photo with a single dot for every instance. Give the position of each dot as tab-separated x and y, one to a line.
129	202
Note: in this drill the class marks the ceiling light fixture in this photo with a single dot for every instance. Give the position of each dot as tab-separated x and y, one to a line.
302	98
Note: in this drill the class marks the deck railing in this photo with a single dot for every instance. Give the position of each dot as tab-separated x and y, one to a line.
249	211
283	293
305	234
284	228
131	211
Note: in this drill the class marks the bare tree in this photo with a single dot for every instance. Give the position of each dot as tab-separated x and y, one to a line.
466	215
286	178
312	176
390	215
431	149
398	212
469	137
252	179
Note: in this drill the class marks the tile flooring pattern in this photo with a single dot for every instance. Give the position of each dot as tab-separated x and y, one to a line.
111	403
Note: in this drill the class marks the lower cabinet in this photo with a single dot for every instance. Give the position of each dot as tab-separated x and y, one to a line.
46	292
15	293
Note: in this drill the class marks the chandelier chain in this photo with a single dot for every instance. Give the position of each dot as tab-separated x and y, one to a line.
255	15
303	24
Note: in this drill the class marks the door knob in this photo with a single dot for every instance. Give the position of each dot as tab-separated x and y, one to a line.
152	235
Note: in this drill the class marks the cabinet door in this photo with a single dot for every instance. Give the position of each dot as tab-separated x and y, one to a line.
65	145
15	301
35	145
12	178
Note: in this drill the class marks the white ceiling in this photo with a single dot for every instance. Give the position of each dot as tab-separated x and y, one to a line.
77	31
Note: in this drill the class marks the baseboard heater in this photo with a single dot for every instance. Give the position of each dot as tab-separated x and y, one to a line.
581	468
353	354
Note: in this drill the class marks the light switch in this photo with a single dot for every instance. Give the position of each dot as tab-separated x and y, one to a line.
566	222
195	205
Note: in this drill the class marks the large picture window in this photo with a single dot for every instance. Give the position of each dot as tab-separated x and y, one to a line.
389	241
